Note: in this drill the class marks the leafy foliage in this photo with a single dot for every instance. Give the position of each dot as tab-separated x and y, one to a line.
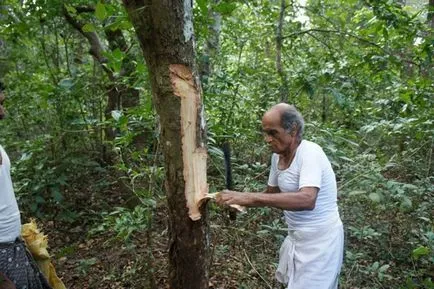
360	72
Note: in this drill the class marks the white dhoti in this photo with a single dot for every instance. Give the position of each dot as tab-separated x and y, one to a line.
312	258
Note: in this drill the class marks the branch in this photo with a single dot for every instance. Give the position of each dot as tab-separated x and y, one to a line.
347	34
85	9
309	30
256	271
96	49
326	45
335	32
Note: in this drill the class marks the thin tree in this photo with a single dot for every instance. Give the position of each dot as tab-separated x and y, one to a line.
430	16
284	90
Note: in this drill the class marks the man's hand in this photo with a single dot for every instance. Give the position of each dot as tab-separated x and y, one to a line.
227	198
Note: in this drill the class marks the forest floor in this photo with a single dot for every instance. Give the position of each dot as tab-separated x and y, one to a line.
241	258
100	260
244	252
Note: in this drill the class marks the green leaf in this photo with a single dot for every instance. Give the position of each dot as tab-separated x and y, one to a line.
33	207
406	203
225	8
411	187
356	193
88	27
100	11
384	268
118	54
39	200
70	9
56	194
420	251
66	83
339	97
203	6
375	197
346	159
116	114
150	202
406	97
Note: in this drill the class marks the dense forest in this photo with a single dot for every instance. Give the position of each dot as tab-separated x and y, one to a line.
86	131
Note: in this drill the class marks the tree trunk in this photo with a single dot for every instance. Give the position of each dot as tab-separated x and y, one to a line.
165	32
128	96
212	46
430	16
284	90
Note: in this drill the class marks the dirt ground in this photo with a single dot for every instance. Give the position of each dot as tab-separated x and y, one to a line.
99	260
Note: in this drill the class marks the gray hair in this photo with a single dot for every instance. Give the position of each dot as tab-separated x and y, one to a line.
291	120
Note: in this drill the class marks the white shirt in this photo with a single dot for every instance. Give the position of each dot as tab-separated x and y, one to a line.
309	168
10	222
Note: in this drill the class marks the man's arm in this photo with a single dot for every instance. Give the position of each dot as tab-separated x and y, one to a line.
304	199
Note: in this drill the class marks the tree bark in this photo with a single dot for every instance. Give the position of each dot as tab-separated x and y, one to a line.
165	32
213	42
128	96
284	91
430	16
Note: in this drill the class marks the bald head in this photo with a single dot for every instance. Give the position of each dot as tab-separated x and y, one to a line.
288	116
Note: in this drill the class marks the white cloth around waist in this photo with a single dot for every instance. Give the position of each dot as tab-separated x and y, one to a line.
312	259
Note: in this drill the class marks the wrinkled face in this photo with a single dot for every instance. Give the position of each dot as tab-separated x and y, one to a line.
2	110
275	135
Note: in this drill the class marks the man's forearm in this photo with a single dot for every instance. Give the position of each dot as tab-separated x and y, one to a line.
292	201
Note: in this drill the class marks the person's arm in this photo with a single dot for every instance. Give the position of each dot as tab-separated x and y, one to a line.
304	199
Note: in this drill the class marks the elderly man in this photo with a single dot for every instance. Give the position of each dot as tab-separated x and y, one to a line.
303	184
17	268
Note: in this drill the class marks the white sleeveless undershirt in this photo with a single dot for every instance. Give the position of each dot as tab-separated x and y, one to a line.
10	222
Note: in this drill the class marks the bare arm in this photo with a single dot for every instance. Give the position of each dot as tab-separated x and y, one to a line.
304	199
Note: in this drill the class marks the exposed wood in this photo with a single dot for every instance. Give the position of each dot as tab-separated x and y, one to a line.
194	156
